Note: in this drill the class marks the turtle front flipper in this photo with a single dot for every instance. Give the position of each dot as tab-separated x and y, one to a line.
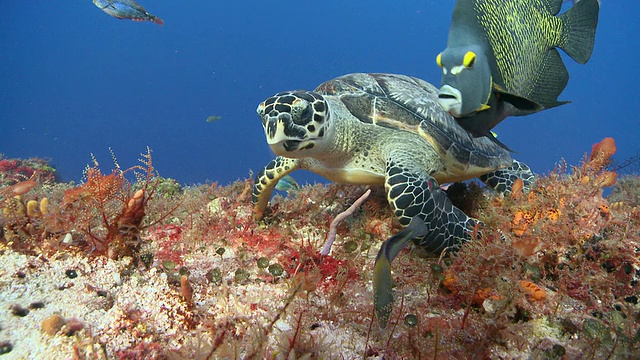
267	179
442	227
503	180
413	195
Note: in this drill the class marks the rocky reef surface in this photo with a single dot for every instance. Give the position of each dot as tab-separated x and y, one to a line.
133	266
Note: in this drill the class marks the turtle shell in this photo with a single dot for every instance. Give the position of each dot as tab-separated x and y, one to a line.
410	104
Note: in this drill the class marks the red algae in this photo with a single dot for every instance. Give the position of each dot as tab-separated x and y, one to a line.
555	270
14	171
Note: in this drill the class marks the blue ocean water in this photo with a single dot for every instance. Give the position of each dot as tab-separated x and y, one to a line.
75	81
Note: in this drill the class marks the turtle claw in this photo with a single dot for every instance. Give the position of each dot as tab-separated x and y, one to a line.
382	280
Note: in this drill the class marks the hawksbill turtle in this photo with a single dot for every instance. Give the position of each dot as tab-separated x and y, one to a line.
384	129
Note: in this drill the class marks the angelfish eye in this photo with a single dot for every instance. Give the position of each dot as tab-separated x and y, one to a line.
469	59
439	59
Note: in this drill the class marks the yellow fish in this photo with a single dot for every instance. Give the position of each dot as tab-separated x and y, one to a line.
213	118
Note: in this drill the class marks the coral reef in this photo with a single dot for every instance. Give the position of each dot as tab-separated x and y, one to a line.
626	191
103	216
552	274
13	171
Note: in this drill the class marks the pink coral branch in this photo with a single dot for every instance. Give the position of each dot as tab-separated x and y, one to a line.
333	227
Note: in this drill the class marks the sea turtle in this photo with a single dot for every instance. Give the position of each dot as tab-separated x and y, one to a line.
384	129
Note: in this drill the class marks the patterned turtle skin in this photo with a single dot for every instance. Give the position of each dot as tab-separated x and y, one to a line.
384	129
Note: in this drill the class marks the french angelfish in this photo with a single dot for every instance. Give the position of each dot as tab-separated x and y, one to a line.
382	281
126	9
502	59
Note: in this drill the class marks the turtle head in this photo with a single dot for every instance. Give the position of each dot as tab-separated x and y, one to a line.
466	80
294	122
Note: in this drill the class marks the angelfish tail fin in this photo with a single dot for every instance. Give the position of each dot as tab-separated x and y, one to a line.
579	29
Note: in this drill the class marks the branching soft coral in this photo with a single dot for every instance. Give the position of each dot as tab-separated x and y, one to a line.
105	211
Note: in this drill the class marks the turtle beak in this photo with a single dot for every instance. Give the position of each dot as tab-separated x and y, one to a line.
274	131
279	128
283	136
450	99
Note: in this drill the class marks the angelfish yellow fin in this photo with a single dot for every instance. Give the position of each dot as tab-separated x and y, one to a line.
497	87
483	107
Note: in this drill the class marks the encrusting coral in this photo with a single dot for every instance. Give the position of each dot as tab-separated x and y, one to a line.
552	274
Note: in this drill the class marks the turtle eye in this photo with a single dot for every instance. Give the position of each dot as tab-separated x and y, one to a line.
469	59
439	59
